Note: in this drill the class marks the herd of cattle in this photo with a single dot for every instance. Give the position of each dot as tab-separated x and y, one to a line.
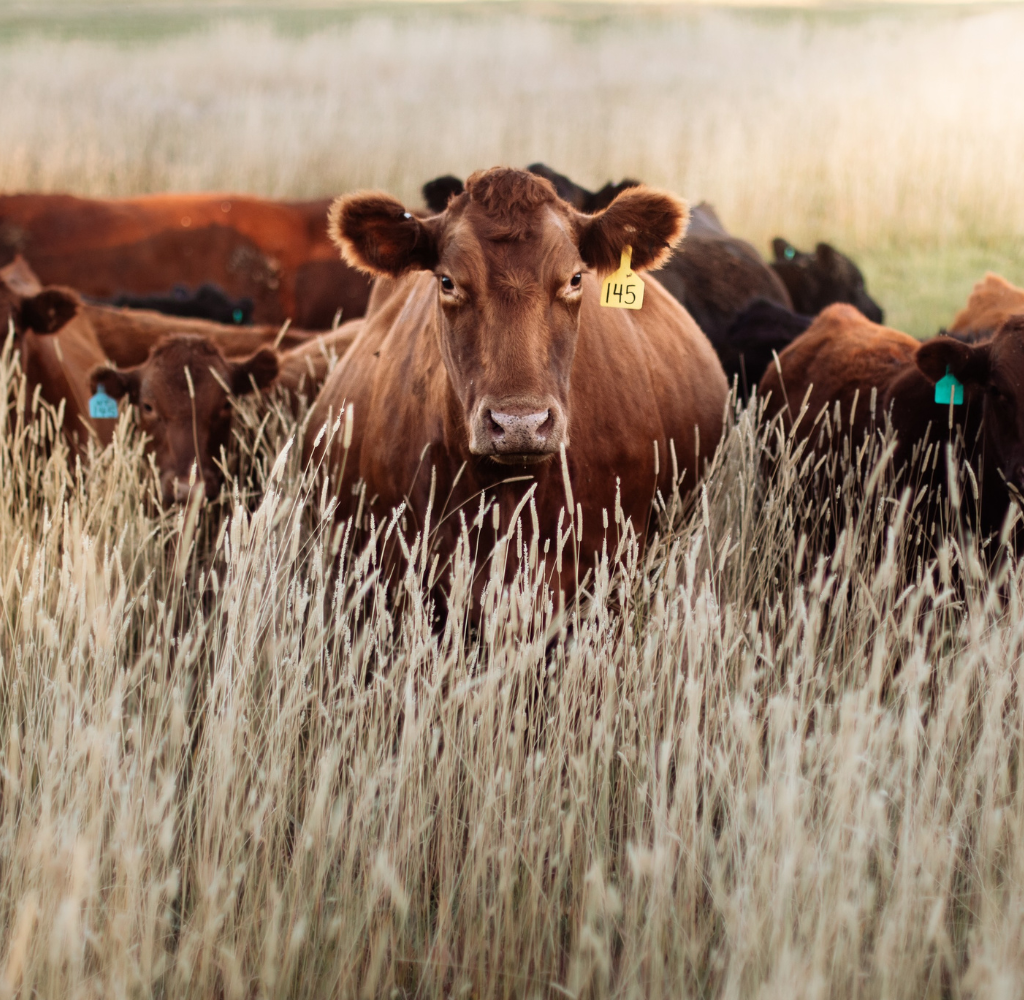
475	359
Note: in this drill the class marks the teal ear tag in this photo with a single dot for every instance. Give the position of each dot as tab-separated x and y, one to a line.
101	406
949	390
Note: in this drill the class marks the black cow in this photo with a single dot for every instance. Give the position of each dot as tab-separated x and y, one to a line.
206	302
816	280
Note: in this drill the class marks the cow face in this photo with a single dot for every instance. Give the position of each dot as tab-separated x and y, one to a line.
816	280
181	394
995	367
509	258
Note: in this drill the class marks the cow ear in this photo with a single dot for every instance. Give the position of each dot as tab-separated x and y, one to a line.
116	382
259	371
376	234
49	311
827	256
438	192
783	249
946	354
649	221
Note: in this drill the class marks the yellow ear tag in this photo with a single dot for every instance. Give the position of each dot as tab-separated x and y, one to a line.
623	289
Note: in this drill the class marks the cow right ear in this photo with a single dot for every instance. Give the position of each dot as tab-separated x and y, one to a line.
49	311
377	235
116	382
969	363
651	222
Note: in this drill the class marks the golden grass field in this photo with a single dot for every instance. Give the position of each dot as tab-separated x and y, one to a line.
738	767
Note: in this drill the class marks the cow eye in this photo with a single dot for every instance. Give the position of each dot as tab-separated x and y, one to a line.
447	284
147	408
576	280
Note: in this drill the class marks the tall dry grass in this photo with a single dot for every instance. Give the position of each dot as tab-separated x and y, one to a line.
736	768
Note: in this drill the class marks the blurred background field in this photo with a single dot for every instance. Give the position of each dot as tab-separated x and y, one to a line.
895	132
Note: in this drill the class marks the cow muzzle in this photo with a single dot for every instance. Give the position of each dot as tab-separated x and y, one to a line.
514	432
177	490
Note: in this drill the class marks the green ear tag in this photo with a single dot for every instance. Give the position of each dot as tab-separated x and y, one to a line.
949	390
101	406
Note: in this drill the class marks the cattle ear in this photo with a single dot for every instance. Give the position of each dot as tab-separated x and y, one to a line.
376	234
783	249
946	354
827	256
649	221
259	370
116	383
48	311
438	192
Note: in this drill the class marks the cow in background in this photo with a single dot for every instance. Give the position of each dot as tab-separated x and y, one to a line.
992	302
275	253
822	278
843	358
67	348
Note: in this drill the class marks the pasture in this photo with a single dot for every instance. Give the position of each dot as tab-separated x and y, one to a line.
735	767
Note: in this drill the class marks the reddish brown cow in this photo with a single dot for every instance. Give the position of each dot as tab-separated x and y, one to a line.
304	369
89	335
491	354
275	253
181	396
185	425
844	356
993	301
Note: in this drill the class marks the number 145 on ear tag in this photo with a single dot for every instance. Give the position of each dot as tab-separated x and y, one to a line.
623	289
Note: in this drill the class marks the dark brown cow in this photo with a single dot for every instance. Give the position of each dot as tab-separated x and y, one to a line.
817	280
717	276
182	401
275	253
491	354
844	356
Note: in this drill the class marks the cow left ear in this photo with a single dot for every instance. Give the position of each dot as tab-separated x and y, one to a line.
49	311
259	371
377	235
116	382
649	221
969	363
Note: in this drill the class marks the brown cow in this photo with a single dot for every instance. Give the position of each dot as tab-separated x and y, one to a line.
182	401
844	356
491	354
153	351
275	253
993	301
304	369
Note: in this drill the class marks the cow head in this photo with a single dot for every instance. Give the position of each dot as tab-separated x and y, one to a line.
996	368
181	393
509	258
816	280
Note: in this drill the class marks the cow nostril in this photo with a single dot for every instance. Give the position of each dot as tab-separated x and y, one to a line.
493	426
